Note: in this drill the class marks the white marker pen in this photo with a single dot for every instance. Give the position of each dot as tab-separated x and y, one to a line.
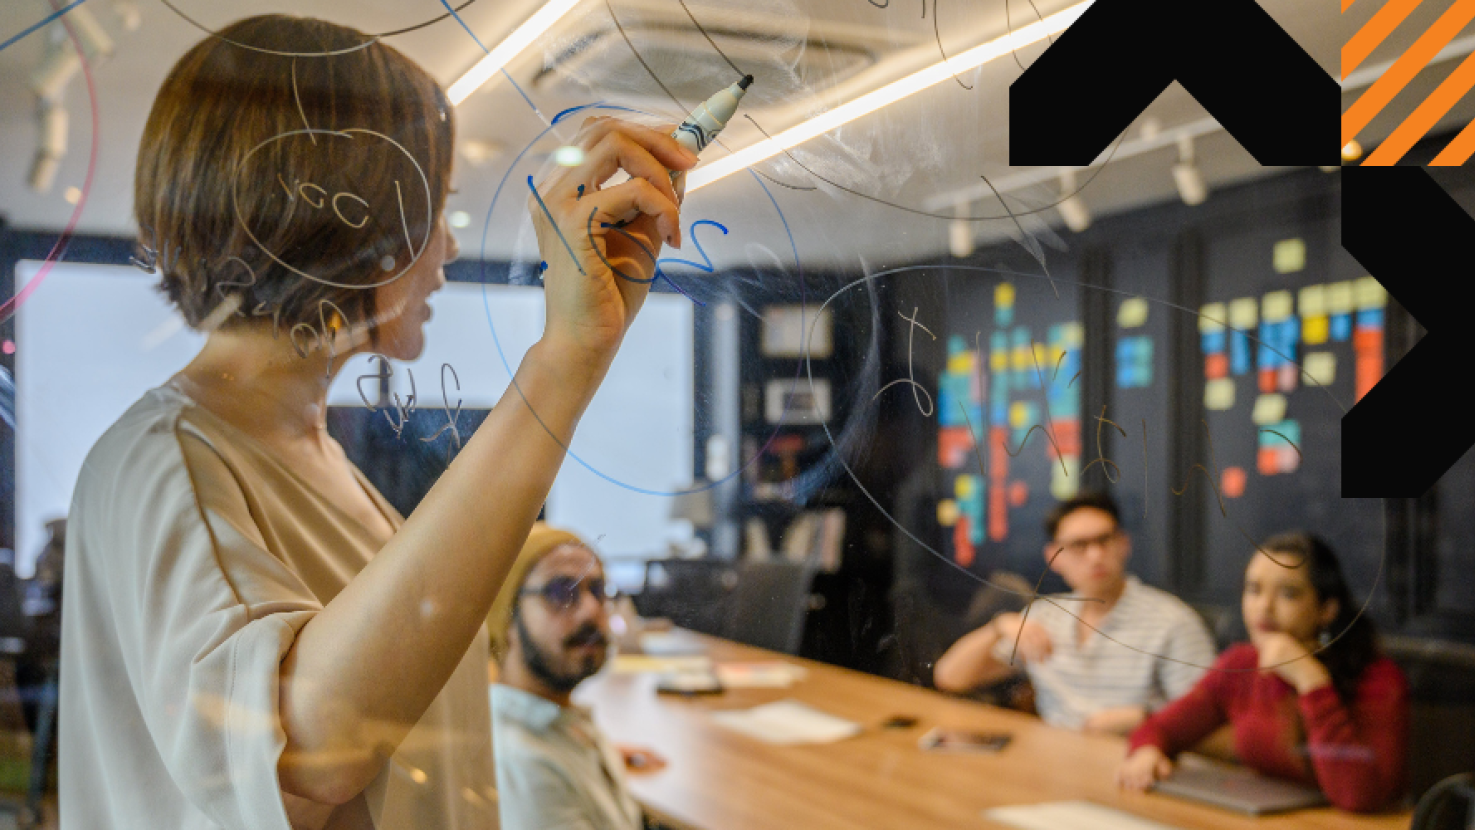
707	120
702	126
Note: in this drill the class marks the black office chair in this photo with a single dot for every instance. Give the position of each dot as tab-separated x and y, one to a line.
1449	805
769	605
691	593
1441	680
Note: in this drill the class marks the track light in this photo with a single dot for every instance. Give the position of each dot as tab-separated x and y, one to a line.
1191	185
56	69
960	233
1072	207
52	146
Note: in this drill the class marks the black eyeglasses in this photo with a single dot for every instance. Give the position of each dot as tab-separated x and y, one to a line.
562	592
1076	547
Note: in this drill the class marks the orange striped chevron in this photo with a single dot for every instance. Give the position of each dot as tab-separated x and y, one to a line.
1382	24
1439	102
1403	70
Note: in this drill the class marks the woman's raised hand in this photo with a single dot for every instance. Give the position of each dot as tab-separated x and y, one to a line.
600	270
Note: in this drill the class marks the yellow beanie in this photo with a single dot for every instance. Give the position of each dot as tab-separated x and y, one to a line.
542	540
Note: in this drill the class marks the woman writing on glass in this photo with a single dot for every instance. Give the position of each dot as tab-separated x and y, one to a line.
253	638
1309	697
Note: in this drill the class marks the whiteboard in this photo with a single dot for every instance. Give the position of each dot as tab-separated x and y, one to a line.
91	339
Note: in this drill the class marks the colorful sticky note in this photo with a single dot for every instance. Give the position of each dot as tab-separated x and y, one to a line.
1212	317
1210	342
1232	482
1367	292
1315	330
1276	306
962	363
1339	298
1065	481
1219	394
1312	300
1018	493
1269	409
998	361
1132	313
954	447
1280	434
1072	335
1239	353
1289	256
1216	366
947	512
963	552
1019	414
1004	294
963	487
1341	327
1285	377
1042	362
1244	313
1319	369
1019	358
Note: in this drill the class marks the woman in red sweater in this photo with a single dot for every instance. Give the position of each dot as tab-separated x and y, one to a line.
1310	697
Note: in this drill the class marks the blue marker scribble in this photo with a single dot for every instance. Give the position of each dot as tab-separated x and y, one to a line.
556	229
610	265
705	266
484	48
47	19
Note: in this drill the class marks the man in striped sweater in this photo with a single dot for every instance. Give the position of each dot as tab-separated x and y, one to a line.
1102	657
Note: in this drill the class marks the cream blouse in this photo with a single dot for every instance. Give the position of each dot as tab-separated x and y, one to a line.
193	558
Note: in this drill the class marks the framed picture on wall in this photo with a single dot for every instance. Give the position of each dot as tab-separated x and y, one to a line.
788	330
796	401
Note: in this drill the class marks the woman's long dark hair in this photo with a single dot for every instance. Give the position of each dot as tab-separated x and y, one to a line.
1354	643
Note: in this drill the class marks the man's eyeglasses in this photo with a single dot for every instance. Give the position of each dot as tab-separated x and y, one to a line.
562	592
1076	547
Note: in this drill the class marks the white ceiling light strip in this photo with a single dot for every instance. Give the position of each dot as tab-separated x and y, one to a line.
889	94
519	40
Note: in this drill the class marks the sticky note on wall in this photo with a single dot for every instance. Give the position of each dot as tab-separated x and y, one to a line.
1312	300
1319	369
1369	293
1244	313
1276	306
1219	394
1269	409
1132	313
1289	256
1212	317
1065	481
1339	298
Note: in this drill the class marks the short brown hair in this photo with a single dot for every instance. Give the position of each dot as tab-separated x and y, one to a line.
264	159
1093	499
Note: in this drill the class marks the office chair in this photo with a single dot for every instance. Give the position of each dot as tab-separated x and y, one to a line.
691	593
1449	805
1441	684
769	604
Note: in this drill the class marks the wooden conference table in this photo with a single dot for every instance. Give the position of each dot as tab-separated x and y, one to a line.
720	780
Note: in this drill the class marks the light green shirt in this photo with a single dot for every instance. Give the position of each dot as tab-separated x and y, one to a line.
555	771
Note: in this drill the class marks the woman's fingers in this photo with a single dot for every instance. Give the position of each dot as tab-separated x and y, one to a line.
619	151
638	195
656	140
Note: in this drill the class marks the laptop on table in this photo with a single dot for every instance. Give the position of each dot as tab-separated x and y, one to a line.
1238	789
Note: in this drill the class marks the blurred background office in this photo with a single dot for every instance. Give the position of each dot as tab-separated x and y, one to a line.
837	427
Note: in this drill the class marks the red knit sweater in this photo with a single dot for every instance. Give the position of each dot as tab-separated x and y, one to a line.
1357	754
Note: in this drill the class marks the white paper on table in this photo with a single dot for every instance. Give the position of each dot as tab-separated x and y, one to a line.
1070	815
771	675
787	722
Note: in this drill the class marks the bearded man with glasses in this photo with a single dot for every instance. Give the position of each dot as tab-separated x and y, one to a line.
550	631
1100	658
